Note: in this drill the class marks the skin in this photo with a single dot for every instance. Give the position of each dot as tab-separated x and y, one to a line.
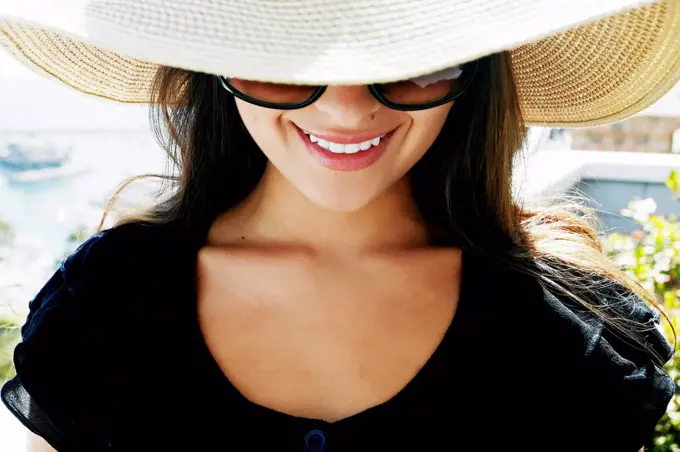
342	108
341	257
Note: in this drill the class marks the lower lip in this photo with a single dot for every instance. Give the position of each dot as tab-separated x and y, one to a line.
346	162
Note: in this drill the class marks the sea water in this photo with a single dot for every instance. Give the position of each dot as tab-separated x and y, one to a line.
43	213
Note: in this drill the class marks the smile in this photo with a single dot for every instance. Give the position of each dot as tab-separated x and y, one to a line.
348	148
346	153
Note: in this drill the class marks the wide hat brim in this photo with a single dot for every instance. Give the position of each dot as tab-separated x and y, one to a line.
576	62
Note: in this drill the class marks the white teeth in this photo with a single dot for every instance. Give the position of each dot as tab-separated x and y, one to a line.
352	148
338	148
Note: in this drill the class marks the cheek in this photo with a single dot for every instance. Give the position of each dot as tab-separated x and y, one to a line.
263	124
426	125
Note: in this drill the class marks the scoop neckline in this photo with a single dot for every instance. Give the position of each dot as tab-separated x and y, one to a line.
230	391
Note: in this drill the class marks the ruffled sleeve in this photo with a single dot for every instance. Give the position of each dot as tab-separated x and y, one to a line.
61	391
608	392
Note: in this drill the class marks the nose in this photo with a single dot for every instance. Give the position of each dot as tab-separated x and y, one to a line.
349	106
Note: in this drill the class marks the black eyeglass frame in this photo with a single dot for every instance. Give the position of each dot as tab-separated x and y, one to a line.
373	88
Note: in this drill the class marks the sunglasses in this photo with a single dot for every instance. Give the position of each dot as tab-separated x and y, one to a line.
419	93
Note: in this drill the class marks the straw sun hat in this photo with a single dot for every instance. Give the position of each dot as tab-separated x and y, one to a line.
577	62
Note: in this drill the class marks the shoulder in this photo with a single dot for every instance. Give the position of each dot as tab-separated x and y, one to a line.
536	305
100	268
115	281
131	246
591	381
135	274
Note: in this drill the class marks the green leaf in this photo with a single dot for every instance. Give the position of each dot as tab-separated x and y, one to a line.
673	183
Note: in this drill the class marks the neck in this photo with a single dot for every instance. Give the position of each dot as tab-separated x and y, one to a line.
277	213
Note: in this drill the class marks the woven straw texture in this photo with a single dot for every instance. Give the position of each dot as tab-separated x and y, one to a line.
577	62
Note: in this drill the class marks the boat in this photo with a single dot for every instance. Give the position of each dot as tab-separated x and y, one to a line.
44	174
36	162
21	157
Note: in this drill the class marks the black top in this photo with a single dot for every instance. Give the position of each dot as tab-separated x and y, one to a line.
113	359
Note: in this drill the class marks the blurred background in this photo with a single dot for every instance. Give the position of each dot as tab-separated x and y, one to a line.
64	154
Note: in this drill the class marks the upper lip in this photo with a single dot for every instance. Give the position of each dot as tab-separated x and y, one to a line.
347	137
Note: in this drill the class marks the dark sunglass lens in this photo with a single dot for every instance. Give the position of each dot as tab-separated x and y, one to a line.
428	88
274	93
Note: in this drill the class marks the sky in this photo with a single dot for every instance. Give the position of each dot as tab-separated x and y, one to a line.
32	102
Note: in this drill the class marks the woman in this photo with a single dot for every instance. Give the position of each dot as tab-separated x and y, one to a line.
342	265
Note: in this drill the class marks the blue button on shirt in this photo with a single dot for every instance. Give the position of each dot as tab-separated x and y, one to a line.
315	441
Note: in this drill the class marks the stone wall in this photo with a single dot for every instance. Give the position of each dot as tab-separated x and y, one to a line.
637	134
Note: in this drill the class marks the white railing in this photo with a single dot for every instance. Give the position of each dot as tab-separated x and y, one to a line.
541	174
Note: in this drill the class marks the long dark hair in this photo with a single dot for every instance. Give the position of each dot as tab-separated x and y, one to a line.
217	165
